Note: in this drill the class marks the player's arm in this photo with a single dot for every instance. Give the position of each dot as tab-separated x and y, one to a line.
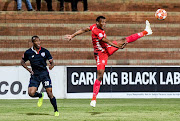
23	63
81	31
50	59
51	64
109	42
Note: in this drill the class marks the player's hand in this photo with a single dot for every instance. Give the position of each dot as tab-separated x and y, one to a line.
50	67
32	73
123	45
68	37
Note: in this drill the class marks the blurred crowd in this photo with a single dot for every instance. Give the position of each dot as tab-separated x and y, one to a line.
49	5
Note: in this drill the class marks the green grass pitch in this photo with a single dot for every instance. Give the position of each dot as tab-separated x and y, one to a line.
80	110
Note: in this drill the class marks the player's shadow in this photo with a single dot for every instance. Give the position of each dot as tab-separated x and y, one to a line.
36	114
95	113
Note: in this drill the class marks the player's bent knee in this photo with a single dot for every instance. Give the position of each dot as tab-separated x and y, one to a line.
100	74
100	77
50	95
122	43
49	92
31	93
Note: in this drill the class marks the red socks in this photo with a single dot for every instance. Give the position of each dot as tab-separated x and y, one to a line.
96	88
136	36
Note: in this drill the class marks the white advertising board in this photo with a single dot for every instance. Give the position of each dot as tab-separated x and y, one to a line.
14	81
77	82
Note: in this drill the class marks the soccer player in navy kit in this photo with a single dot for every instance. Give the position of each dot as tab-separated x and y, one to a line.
37	56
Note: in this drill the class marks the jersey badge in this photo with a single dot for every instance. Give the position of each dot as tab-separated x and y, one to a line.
103	61
100	35
43	54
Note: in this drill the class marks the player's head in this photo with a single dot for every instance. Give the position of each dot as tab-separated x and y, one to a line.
101	22
36	41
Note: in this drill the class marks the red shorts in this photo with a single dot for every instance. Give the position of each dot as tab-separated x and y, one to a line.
101	60
102	57
112	49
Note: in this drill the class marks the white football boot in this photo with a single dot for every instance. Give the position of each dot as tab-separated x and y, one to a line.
93	103
148	28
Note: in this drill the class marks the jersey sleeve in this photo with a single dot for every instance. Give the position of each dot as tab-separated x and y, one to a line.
48	55
25	56
91	27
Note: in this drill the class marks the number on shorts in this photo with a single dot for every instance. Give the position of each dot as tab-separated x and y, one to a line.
46	83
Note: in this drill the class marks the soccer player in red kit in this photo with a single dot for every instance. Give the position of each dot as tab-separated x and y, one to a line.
103	47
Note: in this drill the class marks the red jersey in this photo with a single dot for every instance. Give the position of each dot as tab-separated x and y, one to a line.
97	36
101	49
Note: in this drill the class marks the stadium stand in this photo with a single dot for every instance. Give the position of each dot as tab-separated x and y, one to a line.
125	17
103	5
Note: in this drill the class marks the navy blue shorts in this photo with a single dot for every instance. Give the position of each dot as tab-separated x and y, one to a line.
35	80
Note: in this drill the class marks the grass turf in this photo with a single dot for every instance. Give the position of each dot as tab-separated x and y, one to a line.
79	110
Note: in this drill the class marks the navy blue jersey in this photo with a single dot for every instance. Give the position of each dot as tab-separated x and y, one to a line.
37	59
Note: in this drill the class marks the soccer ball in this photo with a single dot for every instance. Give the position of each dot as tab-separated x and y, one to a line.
161	14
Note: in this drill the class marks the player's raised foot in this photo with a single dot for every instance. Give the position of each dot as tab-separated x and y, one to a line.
148	28
93	103
40	101
56	113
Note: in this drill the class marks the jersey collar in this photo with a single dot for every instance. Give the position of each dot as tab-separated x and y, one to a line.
99	28
35	50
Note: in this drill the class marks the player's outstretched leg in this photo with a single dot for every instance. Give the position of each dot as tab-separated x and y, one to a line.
40	101
136	36
124	41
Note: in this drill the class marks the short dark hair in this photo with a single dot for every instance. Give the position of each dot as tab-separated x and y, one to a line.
34	37
100	17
